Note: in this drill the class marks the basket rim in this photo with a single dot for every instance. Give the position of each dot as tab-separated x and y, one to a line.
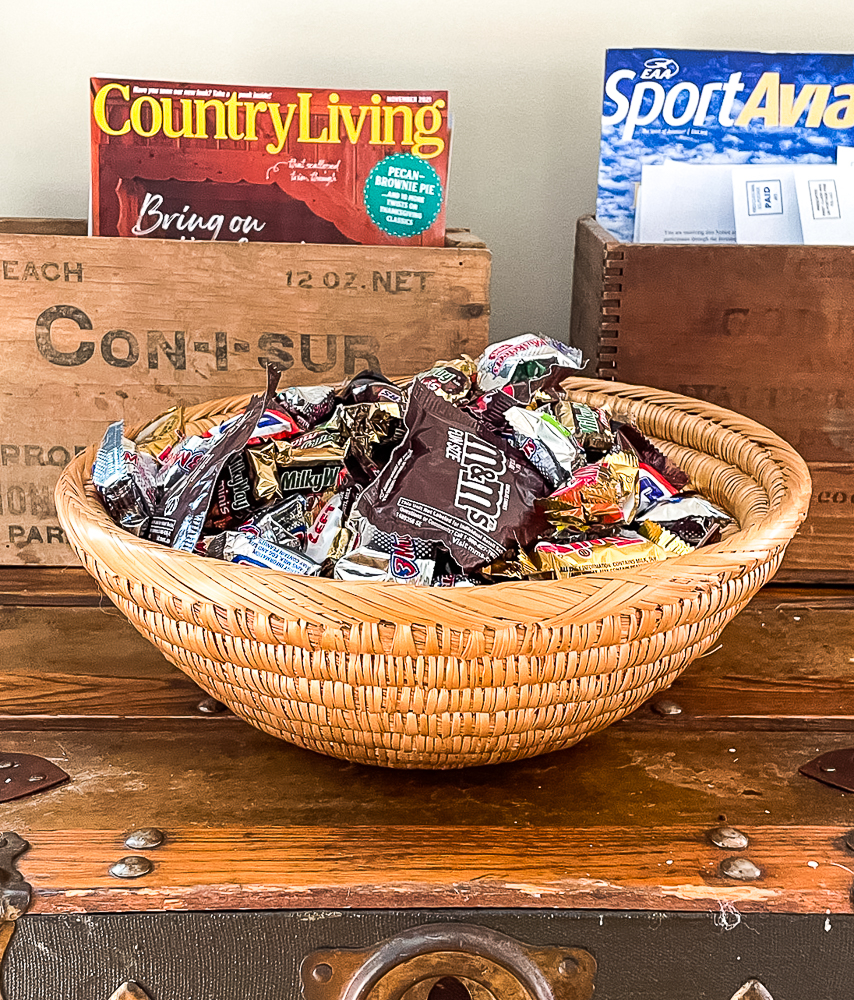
577	599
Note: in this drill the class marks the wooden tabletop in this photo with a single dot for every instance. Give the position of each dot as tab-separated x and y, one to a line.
620	821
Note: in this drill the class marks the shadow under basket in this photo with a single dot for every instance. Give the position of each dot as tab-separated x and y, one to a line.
429	677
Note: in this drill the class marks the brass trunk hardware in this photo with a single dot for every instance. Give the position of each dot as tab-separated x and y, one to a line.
740	868
130	991
145	839
753	990
454	961
133	866
728	838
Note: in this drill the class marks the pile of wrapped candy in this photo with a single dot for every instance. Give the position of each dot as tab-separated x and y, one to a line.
475	472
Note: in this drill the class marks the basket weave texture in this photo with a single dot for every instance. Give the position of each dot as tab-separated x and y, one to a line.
428	677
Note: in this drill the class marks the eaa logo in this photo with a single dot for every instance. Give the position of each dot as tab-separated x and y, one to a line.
659	68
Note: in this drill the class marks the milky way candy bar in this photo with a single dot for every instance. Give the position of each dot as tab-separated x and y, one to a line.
589	426
450	482
314	474
233	499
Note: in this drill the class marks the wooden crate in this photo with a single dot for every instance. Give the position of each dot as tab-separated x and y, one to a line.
92	330
766	331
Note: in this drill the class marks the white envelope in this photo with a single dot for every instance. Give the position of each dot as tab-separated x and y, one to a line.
826	203
765	204
686	203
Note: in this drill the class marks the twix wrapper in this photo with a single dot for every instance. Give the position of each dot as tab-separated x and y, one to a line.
597	555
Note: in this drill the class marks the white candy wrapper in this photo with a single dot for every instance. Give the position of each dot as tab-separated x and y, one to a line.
522	359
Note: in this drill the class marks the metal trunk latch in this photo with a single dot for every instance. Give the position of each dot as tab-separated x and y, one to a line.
449	962
15	893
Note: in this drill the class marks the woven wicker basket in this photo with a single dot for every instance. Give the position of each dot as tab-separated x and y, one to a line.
425	677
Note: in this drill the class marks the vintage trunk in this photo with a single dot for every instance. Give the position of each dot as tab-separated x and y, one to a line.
94	330
767	331
284	873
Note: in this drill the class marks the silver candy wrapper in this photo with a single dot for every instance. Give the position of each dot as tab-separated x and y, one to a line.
125	480
547	445
381	556
239	547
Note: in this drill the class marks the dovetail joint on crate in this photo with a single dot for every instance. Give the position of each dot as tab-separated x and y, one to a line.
610	309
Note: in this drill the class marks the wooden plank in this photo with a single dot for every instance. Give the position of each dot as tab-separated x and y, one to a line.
786	659
761	330
233	774
805	869
94	330
44	227
48	586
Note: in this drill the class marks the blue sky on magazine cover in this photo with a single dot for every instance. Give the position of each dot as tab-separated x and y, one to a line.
633	137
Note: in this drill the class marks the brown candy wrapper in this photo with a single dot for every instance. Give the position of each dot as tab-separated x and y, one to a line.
233	500
180	514
450	483
452	380
590	427
308	405
630	438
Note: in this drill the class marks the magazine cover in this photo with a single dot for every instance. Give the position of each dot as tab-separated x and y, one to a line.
214	162
699	106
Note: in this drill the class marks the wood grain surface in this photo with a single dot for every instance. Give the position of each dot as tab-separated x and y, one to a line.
94	330
620	821
768	337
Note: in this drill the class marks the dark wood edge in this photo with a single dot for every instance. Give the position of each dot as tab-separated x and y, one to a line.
44	227
61	586
455	239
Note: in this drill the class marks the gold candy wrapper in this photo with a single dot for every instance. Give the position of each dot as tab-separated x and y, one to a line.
266	460
597	555
657	533
596	494
263	464
625	467
162	434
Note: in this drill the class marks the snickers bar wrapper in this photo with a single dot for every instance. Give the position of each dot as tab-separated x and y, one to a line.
450	483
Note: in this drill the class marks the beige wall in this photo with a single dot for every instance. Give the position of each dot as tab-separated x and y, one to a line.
525	82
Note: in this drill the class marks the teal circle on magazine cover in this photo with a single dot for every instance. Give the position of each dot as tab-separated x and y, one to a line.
403	195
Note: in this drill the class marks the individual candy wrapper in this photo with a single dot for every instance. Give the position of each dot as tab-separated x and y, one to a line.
180	515
523	359
598	555
125	480
450	483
